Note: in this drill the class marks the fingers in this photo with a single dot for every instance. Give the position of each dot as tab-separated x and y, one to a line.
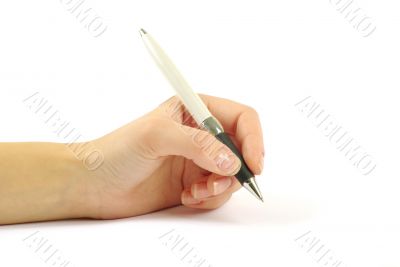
242	122
238	120
210	194
166	137
213	203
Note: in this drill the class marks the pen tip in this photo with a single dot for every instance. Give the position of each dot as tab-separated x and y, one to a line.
252	187
142	32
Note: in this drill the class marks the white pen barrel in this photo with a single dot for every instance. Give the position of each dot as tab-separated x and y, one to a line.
190	99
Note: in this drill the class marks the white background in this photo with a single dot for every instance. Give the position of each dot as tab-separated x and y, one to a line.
267	54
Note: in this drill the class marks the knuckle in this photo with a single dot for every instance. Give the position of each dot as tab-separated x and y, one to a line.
202	139
172	108
170	100
252	111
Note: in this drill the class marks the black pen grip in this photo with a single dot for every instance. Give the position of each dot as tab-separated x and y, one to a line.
244	173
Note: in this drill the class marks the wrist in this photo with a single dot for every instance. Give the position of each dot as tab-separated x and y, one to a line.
81	192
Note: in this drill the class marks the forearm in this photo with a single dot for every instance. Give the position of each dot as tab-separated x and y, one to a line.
41	181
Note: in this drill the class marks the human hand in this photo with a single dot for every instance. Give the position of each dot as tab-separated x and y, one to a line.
162	160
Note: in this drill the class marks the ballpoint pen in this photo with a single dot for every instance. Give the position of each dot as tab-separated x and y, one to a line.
198	109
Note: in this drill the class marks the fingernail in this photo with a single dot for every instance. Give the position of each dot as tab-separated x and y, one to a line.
200	190
228	162
261	163
221	184
187	199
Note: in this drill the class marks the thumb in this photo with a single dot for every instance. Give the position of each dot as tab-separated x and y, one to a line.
204	149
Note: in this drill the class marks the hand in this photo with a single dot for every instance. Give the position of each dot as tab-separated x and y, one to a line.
161	160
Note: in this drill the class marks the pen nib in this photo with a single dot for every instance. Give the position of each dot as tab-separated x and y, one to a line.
252	187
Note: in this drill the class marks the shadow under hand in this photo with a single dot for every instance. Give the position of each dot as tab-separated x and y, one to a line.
240	210
244	210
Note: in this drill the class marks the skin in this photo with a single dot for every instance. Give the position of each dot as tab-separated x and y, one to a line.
157	161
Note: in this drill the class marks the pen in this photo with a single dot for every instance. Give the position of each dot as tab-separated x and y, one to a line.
198	109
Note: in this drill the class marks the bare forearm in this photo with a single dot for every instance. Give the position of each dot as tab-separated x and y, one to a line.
40	181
